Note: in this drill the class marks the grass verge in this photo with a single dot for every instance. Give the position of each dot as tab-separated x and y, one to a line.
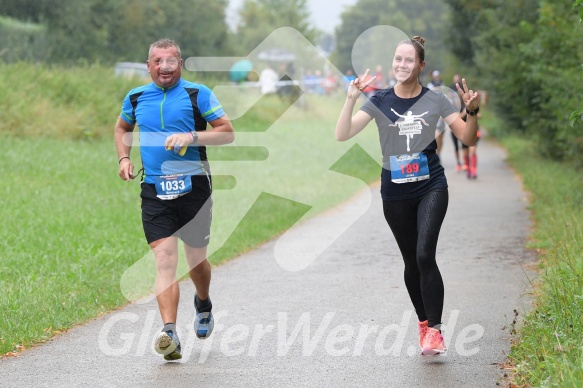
548	349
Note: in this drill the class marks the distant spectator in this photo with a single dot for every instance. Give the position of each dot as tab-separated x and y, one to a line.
435	80
290	70
329	83
349	76
391	81
378	83
287	87
268	80
310	81
318	80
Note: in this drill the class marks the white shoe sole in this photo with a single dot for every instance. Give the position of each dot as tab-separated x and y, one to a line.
433	352
164	344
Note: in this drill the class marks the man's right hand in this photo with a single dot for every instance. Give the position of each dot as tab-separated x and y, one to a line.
126	169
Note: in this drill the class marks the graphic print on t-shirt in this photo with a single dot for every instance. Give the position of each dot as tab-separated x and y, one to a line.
409	125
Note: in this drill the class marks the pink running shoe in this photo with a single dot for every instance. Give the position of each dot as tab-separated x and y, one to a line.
433	343
422	331
472	173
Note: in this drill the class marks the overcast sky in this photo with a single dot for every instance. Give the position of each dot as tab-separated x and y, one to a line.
325	14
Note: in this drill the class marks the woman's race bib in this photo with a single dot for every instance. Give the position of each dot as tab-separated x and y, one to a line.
409	168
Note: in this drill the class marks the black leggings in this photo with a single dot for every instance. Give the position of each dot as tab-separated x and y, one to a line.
415	223
456	142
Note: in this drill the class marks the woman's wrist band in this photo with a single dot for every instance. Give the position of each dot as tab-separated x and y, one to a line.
472	112
122	158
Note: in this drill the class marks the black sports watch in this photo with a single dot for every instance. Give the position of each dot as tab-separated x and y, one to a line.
472	112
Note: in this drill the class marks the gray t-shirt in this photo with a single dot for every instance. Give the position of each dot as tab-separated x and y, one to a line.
407	126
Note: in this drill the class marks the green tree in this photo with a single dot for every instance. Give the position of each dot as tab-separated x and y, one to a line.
198	26
259	18
110	30
529	55
462	28
499	33
141	25
25	10
80	30
556	55
413	17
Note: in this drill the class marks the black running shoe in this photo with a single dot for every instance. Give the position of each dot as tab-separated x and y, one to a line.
203	322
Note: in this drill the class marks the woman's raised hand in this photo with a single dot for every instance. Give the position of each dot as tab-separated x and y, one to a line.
359	84
471	99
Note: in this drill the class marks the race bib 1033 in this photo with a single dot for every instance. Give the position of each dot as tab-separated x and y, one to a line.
172	186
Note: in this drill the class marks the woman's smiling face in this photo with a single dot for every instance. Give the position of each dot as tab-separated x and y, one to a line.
406	65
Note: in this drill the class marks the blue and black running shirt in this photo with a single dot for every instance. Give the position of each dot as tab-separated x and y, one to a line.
160	112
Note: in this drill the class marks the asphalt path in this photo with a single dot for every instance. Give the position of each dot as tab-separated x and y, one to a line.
344	321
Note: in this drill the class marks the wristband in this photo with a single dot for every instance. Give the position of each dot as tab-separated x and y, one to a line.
473	112
194	137
122	158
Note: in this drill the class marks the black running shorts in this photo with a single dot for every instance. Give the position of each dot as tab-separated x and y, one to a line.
188	217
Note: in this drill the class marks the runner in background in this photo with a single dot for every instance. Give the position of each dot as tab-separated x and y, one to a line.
471	156
458	103
437	83
469	153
